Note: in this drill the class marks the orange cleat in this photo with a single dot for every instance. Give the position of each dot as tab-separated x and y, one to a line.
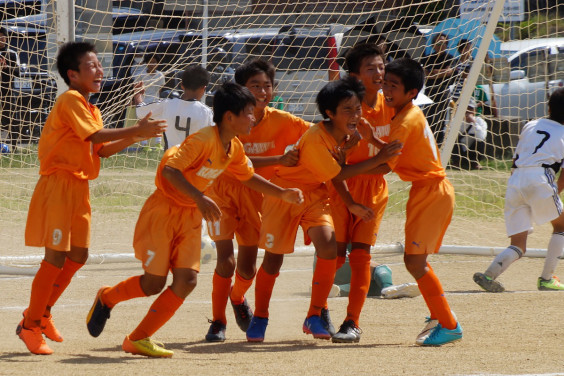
48	328
33	340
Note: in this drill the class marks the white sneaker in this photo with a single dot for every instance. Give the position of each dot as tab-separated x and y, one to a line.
406	290
429	326
335	291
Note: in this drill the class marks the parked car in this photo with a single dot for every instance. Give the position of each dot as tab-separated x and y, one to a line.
536	70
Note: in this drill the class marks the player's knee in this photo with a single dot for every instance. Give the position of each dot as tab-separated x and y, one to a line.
152	286
225	267
247	271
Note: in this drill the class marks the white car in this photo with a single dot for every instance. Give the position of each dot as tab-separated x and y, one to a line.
537	69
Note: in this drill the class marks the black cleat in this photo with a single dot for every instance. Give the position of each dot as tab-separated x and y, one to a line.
326	319
348	333
243	314
98	315
216	333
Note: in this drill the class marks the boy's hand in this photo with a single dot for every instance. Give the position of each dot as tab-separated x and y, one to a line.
390	150
365	130
351	141
361	211
209	209
340	155
293	196
290	158
147	127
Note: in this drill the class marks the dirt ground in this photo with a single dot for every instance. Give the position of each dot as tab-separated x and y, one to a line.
517	332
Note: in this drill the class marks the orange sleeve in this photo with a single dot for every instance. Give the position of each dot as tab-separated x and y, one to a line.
80	115
241	167
317	159
189	152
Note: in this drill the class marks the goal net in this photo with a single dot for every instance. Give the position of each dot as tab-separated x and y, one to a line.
503	80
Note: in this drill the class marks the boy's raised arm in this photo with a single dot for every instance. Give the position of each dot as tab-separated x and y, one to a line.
260	184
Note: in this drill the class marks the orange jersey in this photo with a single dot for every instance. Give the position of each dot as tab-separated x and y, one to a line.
202	158
63	144
380	118
419	158
272	135
316	164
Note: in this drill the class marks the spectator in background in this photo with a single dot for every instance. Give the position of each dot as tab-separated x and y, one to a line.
462	67
9	69
153	79
439	71
470	147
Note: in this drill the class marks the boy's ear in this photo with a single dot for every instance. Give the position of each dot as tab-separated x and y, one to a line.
72	74
413	93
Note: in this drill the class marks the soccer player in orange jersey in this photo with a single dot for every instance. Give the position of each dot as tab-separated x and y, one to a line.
340	104
431	198
240	205
365	62
70	147
168	231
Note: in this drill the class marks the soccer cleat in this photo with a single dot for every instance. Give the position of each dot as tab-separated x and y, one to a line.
314	325
48	328
439	336
98	315
243	314
335	291
257	328
430	324
33	340
487	283
146	347
552	284
327	323
348	333
405	290
216	333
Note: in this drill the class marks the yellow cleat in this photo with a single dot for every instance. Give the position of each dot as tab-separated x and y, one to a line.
146	347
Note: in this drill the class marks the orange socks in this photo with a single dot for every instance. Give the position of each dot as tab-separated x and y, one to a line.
41	289
125	290
323	277
69	270
263	292
434	296
160	312
240	287
359	261
220	294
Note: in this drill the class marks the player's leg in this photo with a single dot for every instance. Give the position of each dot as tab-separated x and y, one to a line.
221	285
323	239
139	341
244	275
264	284
29	329
547	280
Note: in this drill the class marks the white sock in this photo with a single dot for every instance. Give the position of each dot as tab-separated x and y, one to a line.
553	252
502	261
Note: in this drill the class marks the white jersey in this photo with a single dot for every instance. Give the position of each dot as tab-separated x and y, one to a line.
532	191
183	117
541	143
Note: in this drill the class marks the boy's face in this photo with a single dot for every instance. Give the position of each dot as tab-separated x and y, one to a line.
244	121
88	78
394	92
3	40
261	87
371	73
347	115
152	65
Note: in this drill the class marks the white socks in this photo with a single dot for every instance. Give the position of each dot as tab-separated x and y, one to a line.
554	251
502	261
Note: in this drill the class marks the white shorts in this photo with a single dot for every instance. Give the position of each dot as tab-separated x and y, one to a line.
531	196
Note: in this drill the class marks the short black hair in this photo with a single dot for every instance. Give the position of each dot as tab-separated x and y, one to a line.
335	92
556	105
195	77
462	44
149	56
409	71
3	31
354	57
251	68
69	57
231	97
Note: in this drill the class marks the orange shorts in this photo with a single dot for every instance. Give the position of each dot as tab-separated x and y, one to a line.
370	191
59	213
428	214
280	220
240	211
167	236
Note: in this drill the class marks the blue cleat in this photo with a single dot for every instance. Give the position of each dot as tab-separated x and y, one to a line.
257	328
314	325
439	336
